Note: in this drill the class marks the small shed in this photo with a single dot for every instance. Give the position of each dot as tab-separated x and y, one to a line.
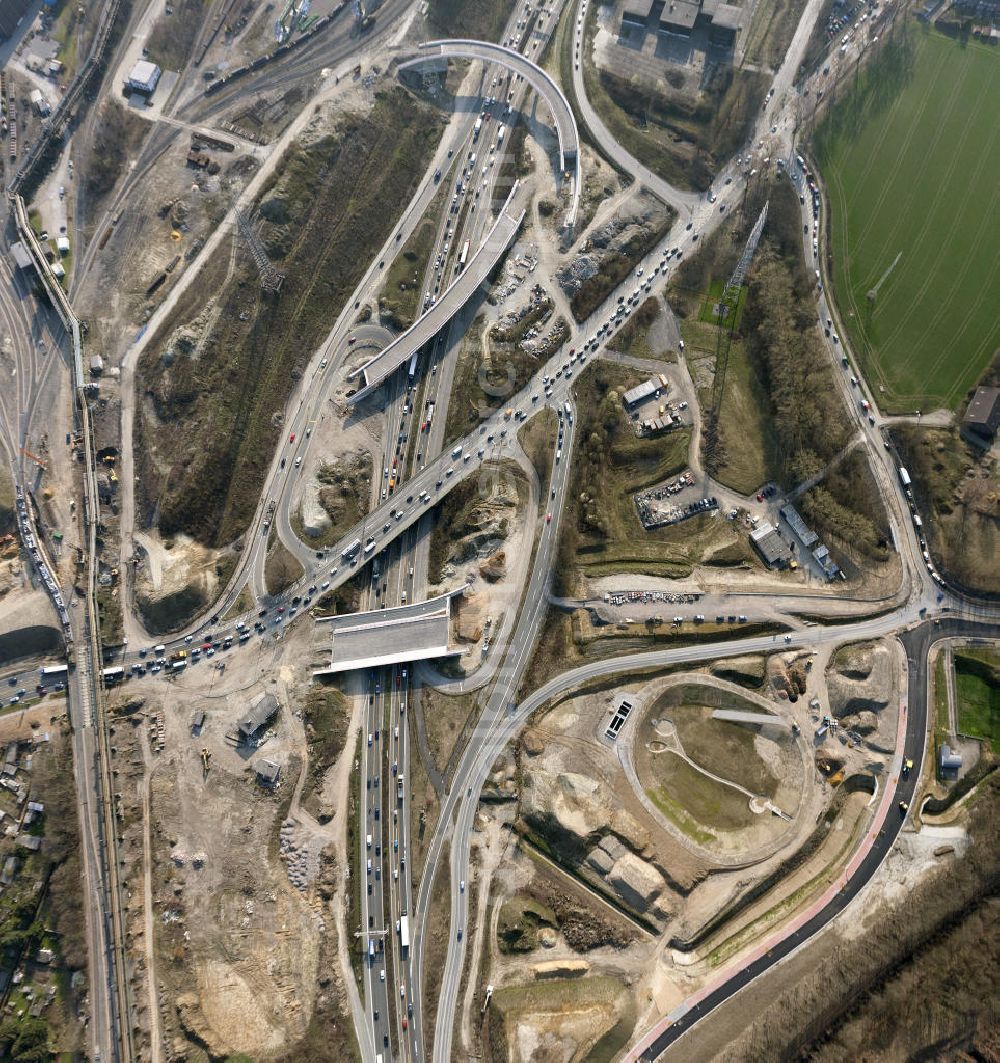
267	772
96	364
263	710
951	762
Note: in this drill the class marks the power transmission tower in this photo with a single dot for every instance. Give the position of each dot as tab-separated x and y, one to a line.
270	279
727	308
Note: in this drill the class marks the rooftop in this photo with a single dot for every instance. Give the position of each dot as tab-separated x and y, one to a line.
984	408
260	712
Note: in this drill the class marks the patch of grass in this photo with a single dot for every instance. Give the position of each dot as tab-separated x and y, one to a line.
690	795
173	36
917	120
482	387
344	494
452	515
446	716
483	20
281	569
725	749
109	611
679	816
519	921
745	431
118	134
538	441
601	530
942	729
615	266
326	719
574	1003
8	516
400	301
770	31
243	604
977	689
210	424
633	337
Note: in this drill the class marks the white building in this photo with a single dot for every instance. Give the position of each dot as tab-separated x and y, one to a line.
143	78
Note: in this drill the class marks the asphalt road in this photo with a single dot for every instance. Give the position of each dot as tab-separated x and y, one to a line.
917	642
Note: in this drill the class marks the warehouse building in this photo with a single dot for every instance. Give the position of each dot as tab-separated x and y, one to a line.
142	79
680	18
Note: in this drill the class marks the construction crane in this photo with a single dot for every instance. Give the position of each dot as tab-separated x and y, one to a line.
34	457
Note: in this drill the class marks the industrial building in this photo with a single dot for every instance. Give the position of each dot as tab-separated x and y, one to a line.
982	418
143	78
648	389
22	256
773	550
267	772
682	17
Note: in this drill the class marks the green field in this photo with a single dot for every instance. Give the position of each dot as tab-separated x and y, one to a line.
977	689
910	157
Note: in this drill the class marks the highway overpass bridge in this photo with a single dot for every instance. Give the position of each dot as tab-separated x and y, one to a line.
454	297
381	637
539	79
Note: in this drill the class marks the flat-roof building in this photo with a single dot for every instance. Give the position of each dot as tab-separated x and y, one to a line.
143	78
639	11
822	557
646	390
22	256
772	548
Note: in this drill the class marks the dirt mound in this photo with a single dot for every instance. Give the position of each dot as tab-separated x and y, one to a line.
573	812
861	683
746	671
865	723
494	568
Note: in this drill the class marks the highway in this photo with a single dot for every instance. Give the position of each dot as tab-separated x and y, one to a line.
394	536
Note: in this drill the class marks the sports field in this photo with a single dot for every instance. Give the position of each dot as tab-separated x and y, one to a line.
911	158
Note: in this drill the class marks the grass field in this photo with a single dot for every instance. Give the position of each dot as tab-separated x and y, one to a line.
910	157
977	688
